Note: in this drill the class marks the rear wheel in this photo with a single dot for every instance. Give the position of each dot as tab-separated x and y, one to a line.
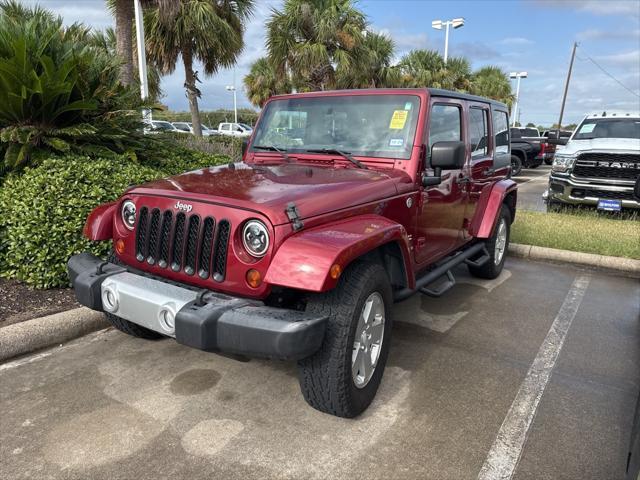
126	326
342	378
497	247
516	165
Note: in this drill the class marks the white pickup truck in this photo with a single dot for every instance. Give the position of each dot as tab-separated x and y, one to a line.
235	129
600	164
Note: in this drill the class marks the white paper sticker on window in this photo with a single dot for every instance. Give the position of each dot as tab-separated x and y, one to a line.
396	142
587	128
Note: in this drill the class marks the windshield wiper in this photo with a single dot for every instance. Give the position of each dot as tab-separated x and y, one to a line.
342	153
271	148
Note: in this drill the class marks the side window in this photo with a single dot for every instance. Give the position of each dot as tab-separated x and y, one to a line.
478	132
445	124
502	157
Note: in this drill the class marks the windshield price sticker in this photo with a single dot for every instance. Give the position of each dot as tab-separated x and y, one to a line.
396	142
398	119
587	128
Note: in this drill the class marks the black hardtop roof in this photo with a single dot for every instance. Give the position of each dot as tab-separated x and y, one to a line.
438	92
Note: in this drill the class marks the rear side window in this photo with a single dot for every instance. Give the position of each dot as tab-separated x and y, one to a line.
501	155
445	124
501	131
478	132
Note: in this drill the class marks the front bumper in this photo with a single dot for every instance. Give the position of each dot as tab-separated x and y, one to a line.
198	318
565	189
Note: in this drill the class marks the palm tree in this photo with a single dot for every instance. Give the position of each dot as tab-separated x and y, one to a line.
262	82
372	66
106	40
426	68
208	31
123	10
492	82
308	39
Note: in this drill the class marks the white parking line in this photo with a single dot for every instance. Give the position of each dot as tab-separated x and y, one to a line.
505	452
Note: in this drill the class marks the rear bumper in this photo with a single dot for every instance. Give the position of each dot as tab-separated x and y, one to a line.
566	190
200	319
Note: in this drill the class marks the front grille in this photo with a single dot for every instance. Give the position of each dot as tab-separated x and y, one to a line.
607	165
588	192
187	244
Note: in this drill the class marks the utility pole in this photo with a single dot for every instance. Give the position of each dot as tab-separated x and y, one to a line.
142	59
566	85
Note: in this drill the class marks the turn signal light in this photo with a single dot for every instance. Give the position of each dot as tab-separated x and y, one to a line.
335	271
254	278
120	246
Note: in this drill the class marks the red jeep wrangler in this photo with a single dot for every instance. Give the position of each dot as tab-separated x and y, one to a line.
346	202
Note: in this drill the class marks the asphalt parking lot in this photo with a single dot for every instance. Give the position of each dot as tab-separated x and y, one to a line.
457	387
532	182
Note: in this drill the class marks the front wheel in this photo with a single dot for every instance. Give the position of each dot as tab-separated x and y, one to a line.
497	246
516	165
342	378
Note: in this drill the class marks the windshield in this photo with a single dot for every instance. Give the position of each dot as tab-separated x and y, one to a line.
382	126
608	128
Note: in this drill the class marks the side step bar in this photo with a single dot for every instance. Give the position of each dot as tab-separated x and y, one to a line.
444	269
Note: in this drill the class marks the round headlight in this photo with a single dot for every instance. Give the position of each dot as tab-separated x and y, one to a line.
128	213
255	238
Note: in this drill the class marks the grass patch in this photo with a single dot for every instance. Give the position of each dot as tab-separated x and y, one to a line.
588	232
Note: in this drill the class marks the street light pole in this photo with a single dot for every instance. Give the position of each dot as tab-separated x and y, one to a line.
455	23
232	88
142	59
518	76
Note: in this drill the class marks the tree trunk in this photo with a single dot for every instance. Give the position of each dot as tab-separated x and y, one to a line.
192	91
124	38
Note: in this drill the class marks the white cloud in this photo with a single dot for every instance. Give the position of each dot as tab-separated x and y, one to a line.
597	7
626	59
596	34
516	41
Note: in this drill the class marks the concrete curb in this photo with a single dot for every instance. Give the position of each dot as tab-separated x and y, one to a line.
26	337
628	266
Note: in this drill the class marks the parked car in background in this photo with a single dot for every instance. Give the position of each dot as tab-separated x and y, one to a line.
299	252
528	131
526	152
160	126
600	164
235	129
187	127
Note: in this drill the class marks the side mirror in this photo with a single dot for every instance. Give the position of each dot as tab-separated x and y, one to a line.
444	156
448	155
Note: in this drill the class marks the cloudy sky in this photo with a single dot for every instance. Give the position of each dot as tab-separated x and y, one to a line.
534	36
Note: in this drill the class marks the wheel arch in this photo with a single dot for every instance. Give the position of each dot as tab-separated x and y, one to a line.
304	260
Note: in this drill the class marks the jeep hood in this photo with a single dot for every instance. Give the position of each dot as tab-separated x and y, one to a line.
270	188
622	145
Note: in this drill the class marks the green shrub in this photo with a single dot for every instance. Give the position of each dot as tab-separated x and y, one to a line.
44	209
60	92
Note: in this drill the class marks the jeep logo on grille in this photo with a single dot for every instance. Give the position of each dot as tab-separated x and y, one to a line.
185	207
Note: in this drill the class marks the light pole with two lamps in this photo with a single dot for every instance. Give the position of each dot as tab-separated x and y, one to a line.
232	88
517	75
455	23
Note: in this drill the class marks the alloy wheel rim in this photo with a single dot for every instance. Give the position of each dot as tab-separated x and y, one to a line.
501	242
367	343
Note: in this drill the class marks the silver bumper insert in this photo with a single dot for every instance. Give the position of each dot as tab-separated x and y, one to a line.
145	301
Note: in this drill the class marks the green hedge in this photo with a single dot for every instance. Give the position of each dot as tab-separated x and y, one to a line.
44	209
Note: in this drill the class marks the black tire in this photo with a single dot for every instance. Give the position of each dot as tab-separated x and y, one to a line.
535	165
516	165
548	161
491	269
126	326
326	377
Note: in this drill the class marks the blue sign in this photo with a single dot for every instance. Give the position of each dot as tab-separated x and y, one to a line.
610	205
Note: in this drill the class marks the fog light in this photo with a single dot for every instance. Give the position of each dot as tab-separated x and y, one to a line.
109	299
335	271
120	246
254	278
167	319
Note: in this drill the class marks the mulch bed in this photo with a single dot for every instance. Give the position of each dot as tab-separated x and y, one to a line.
19	302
